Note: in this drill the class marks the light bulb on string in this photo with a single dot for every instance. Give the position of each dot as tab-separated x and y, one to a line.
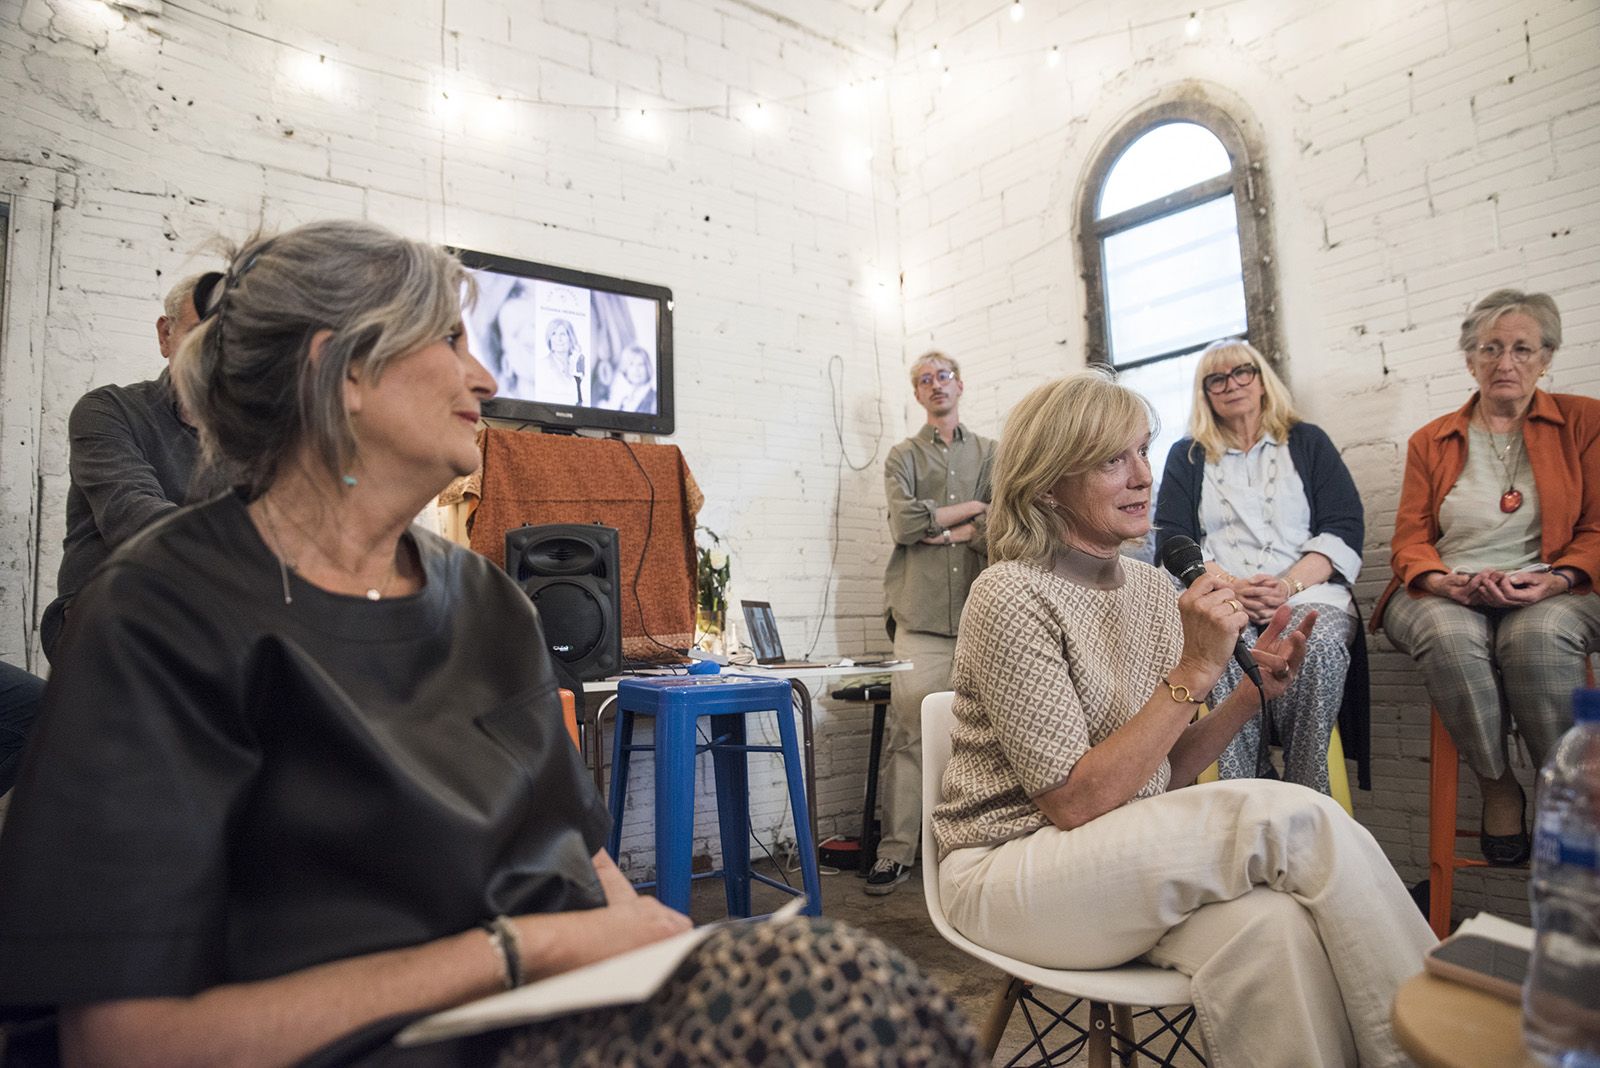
756	116
945	77
1016	11
1052	58
935	57
1191	29
641	124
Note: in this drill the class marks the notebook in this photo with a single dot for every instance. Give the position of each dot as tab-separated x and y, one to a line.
762	628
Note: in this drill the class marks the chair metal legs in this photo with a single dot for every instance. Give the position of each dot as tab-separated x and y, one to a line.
1110	1038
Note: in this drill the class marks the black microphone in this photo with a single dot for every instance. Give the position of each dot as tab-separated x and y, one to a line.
1181	556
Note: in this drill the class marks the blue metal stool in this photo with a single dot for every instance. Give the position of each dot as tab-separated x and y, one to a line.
677	703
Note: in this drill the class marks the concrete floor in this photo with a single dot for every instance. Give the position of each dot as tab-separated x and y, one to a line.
901	919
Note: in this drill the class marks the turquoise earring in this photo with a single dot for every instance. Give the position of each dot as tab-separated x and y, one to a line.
349	480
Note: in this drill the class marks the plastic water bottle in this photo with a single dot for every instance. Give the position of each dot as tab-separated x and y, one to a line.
1561	999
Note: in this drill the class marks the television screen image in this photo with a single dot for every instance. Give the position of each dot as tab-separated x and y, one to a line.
571	349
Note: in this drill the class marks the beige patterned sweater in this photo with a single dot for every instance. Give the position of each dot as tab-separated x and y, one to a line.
1044	669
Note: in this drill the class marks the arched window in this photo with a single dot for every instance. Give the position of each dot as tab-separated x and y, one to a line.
1174	229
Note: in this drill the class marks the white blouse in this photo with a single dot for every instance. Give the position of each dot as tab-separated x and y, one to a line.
1257	520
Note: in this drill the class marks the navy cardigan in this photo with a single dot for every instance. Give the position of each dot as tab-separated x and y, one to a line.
1335	509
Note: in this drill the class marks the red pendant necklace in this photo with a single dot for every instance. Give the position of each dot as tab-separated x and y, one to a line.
1511	499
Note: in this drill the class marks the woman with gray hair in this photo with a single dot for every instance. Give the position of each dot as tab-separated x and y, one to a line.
1273	507
1497	547
303	773
1069	833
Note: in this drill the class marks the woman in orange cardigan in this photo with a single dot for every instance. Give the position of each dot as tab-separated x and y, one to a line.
1497	544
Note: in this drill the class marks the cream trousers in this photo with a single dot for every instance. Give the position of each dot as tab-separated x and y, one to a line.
1287	916
930	656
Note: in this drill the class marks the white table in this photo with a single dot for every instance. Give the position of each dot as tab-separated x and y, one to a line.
798	677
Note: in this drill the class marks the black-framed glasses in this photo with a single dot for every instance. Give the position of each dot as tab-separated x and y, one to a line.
1244	374
941	376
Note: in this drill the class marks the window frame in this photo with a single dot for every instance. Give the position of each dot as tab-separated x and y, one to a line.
1246	182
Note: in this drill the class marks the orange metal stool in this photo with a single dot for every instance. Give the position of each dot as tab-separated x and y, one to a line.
1444	766
1444	774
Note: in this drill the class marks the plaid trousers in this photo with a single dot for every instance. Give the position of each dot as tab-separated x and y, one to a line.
1483	665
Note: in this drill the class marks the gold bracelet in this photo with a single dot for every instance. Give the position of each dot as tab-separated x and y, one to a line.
1182	694
1295	585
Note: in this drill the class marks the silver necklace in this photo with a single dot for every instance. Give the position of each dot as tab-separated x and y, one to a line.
285	565
1233	519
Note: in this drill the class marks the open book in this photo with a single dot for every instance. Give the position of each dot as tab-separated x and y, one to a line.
626	979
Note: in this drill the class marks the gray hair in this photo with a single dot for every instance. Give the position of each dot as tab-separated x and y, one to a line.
245	375
1540	307
179	295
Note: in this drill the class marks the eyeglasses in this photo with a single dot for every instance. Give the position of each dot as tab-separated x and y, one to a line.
1491	351
940	376
1244	374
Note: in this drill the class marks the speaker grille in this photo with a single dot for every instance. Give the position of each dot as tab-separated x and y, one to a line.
574	619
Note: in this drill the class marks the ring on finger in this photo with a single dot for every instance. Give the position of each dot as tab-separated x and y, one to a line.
1281	674
1237	607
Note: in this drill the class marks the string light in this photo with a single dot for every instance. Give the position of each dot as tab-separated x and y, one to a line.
935	57
1052	58
946	77
497	118
1016	11
1191	29
446	105
315	74
756	117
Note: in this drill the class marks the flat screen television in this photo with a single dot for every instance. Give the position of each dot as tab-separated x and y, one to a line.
569	349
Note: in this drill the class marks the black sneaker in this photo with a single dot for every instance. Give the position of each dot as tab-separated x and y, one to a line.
885	876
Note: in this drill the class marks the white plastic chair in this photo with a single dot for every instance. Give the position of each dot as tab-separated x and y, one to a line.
1111	991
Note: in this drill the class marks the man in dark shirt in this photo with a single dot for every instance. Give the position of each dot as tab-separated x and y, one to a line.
131	459
937	485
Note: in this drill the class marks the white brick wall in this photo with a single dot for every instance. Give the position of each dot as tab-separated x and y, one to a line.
1418	156
193	121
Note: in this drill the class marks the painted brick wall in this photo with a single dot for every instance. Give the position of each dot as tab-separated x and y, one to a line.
511	128
1417	156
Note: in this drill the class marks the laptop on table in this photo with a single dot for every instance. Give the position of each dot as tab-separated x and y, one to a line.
761	626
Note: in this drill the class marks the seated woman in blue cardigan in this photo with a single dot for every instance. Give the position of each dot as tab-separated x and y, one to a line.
1279	519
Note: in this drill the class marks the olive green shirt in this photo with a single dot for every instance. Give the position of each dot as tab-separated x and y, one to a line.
925	586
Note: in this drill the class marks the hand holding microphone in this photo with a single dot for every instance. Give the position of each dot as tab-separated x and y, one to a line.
1213	601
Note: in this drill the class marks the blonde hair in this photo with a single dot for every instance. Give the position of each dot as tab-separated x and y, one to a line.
1063	429
1277	407
935	356
245	375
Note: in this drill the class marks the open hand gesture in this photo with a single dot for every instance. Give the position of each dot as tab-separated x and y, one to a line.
1280	651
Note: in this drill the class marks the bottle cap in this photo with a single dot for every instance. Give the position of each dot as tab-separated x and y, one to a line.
1586	706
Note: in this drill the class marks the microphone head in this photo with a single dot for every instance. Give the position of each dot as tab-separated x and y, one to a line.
1181	556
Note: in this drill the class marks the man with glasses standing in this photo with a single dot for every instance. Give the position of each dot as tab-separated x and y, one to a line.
937	483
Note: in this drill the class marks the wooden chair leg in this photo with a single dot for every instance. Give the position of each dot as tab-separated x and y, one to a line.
994	1026
1128	1038
1099	1035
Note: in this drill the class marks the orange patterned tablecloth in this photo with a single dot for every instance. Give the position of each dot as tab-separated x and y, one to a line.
645	491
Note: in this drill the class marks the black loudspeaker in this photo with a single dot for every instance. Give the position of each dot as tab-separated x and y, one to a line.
570	571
